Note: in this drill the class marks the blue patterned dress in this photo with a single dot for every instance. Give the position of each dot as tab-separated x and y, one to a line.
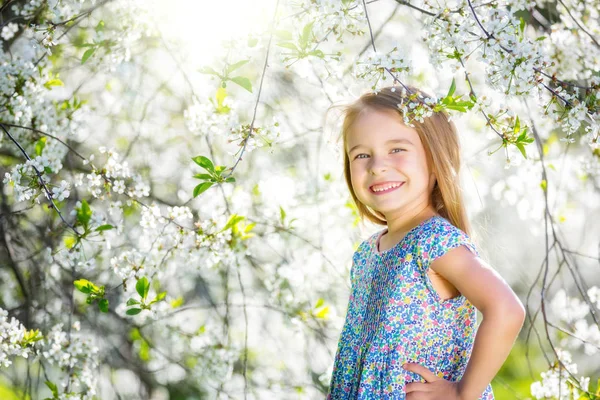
395	316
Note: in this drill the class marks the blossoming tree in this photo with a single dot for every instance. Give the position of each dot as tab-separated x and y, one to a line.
174	222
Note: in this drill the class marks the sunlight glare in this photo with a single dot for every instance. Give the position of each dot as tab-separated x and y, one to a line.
201	25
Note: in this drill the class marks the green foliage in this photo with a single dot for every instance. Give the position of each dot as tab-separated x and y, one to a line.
239	231
94	293
451	102
7	392
225	75
215	174
39	145
301	47
142	287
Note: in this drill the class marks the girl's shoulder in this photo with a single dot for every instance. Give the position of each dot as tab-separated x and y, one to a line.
440	235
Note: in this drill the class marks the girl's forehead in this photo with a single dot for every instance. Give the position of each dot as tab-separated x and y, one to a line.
372	127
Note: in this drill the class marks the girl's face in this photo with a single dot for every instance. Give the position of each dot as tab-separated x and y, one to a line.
382	150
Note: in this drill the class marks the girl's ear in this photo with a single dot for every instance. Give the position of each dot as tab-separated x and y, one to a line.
432	181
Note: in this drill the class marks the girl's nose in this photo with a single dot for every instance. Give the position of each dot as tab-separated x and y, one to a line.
377	166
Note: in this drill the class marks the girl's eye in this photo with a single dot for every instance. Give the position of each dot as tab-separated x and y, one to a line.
363	154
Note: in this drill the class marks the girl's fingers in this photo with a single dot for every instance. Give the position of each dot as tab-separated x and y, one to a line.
416	387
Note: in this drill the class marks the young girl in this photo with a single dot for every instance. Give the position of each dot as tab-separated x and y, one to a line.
416	285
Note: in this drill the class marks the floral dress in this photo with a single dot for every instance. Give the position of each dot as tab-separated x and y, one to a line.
395	316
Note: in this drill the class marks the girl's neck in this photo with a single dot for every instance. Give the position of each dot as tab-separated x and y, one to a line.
398	227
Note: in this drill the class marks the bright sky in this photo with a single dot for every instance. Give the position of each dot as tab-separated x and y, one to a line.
203	24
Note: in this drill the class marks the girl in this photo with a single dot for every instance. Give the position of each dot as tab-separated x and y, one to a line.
416	285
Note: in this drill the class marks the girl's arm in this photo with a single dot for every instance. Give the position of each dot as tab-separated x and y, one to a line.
503	316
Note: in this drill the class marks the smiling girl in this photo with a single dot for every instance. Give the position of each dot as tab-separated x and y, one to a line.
410	330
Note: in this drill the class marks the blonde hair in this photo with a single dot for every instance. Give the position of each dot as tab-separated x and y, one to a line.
442	149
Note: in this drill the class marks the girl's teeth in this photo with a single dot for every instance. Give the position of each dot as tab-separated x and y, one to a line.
385	188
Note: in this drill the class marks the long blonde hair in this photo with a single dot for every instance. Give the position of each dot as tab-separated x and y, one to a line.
442	149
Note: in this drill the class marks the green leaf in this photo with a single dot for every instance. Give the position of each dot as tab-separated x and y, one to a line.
205	163
521	149
209	71
103	305
39	146
306	33
237	65
252	41
289	45
452	88
323	313
201	188
133	311
281	213
53	82
317	53
88	53
100	26
84	213
69	241
203	176
522	26
177	302
161	296
320	302
243	82
52	388
142	287
233	220
230	179
132	302
221	94
517	125
284	35
540	38
85	286
104	228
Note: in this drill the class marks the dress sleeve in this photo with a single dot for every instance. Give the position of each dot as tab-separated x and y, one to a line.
438	239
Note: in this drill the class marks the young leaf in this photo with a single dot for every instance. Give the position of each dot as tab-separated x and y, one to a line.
202	188
306	33
142	287
52	388
88	53
133	311
237	65
84	286
202	176
104	228
289	45
284	35
84	214
452	88
53	82
209	71
132	302
220	96
204	162
243	82
39	146
521	149
103	305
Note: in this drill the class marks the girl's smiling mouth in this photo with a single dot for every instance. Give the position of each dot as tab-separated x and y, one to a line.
385	188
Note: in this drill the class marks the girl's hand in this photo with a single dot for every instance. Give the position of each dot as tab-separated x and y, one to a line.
435	388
